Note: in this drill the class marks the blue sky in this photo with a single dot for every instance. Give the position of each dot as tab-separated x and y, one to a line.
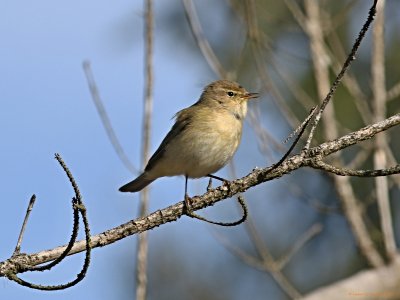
46	108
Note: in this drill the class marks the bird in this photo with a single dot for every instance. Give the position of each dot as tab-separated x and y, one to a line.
203	139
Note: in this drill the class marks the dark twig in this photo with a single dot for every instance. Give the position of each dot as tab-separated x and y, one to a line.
173	212
300	130
319	164
71	242
21	234
79	277
243	206
78	207
302	126
346	65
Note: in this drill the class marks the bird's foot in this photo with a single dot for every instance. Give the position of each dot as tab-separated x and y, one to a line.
188	205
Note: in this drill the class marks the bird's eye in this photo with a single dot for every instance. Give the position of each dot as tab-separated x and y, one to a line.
230	94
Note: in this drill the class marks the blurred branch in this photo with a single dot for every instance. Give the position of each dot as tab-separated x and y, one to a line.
321	62
142	247
380	159
350	58
202	42
256	43
313	231
379	283
311	200
94	91
227	190
394	92
351	83
265	262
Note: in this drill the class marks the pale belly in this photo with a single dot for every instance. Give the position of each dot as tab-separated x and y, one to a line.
199	152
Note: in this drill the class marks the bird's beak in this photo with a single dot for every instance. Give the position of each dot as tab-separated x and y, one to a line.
250	96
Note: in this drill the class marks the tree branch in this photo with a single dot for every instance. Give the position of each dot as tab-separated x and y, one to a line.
228	190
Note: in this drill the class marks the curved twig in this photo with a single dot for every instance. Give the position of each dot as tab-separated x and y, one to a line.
174	212
243	206
319	164
78	208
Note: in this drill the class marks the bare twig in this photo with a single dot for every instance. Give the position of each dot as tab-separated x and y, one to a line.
343	186
242	205
78	207
319	164
94	91
228	190
344	69
265	263
201	41
338	54
313	231
255	43
21	234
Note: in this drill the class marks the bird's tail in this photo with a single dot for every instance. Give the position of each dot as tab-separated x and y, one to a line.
137	184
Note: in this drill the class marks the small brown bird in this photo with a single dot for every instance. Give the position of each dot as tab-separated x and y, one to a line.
203	139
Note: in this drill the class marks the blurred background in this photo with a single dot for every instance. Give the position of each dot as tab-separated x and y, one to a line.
299	236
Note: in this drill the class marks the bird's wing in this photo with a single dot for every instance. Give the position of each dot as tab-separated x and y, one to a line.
183	119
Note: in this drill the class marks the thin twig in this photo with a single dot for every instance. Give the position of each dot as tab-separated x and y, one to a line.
175	211
245	214
312	232
94	91
256	43
321	69
300	131
202	42
265	263
21	234
319	164
343	71
78	207
338	54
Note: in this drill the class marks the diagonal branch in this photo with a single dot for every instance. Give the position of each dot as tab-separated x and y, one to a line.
228	190
105	120
201	41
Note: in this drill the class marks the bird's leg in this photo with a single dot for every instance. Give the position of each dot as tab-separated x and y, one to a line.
188	205
224	181
216	177
209	186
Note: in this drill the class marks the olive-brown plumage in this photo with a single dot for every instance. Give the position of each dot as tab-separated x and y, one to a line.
204	137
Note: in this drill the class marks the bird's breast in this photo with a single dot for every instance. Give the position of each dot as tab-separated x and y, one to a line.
213	142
